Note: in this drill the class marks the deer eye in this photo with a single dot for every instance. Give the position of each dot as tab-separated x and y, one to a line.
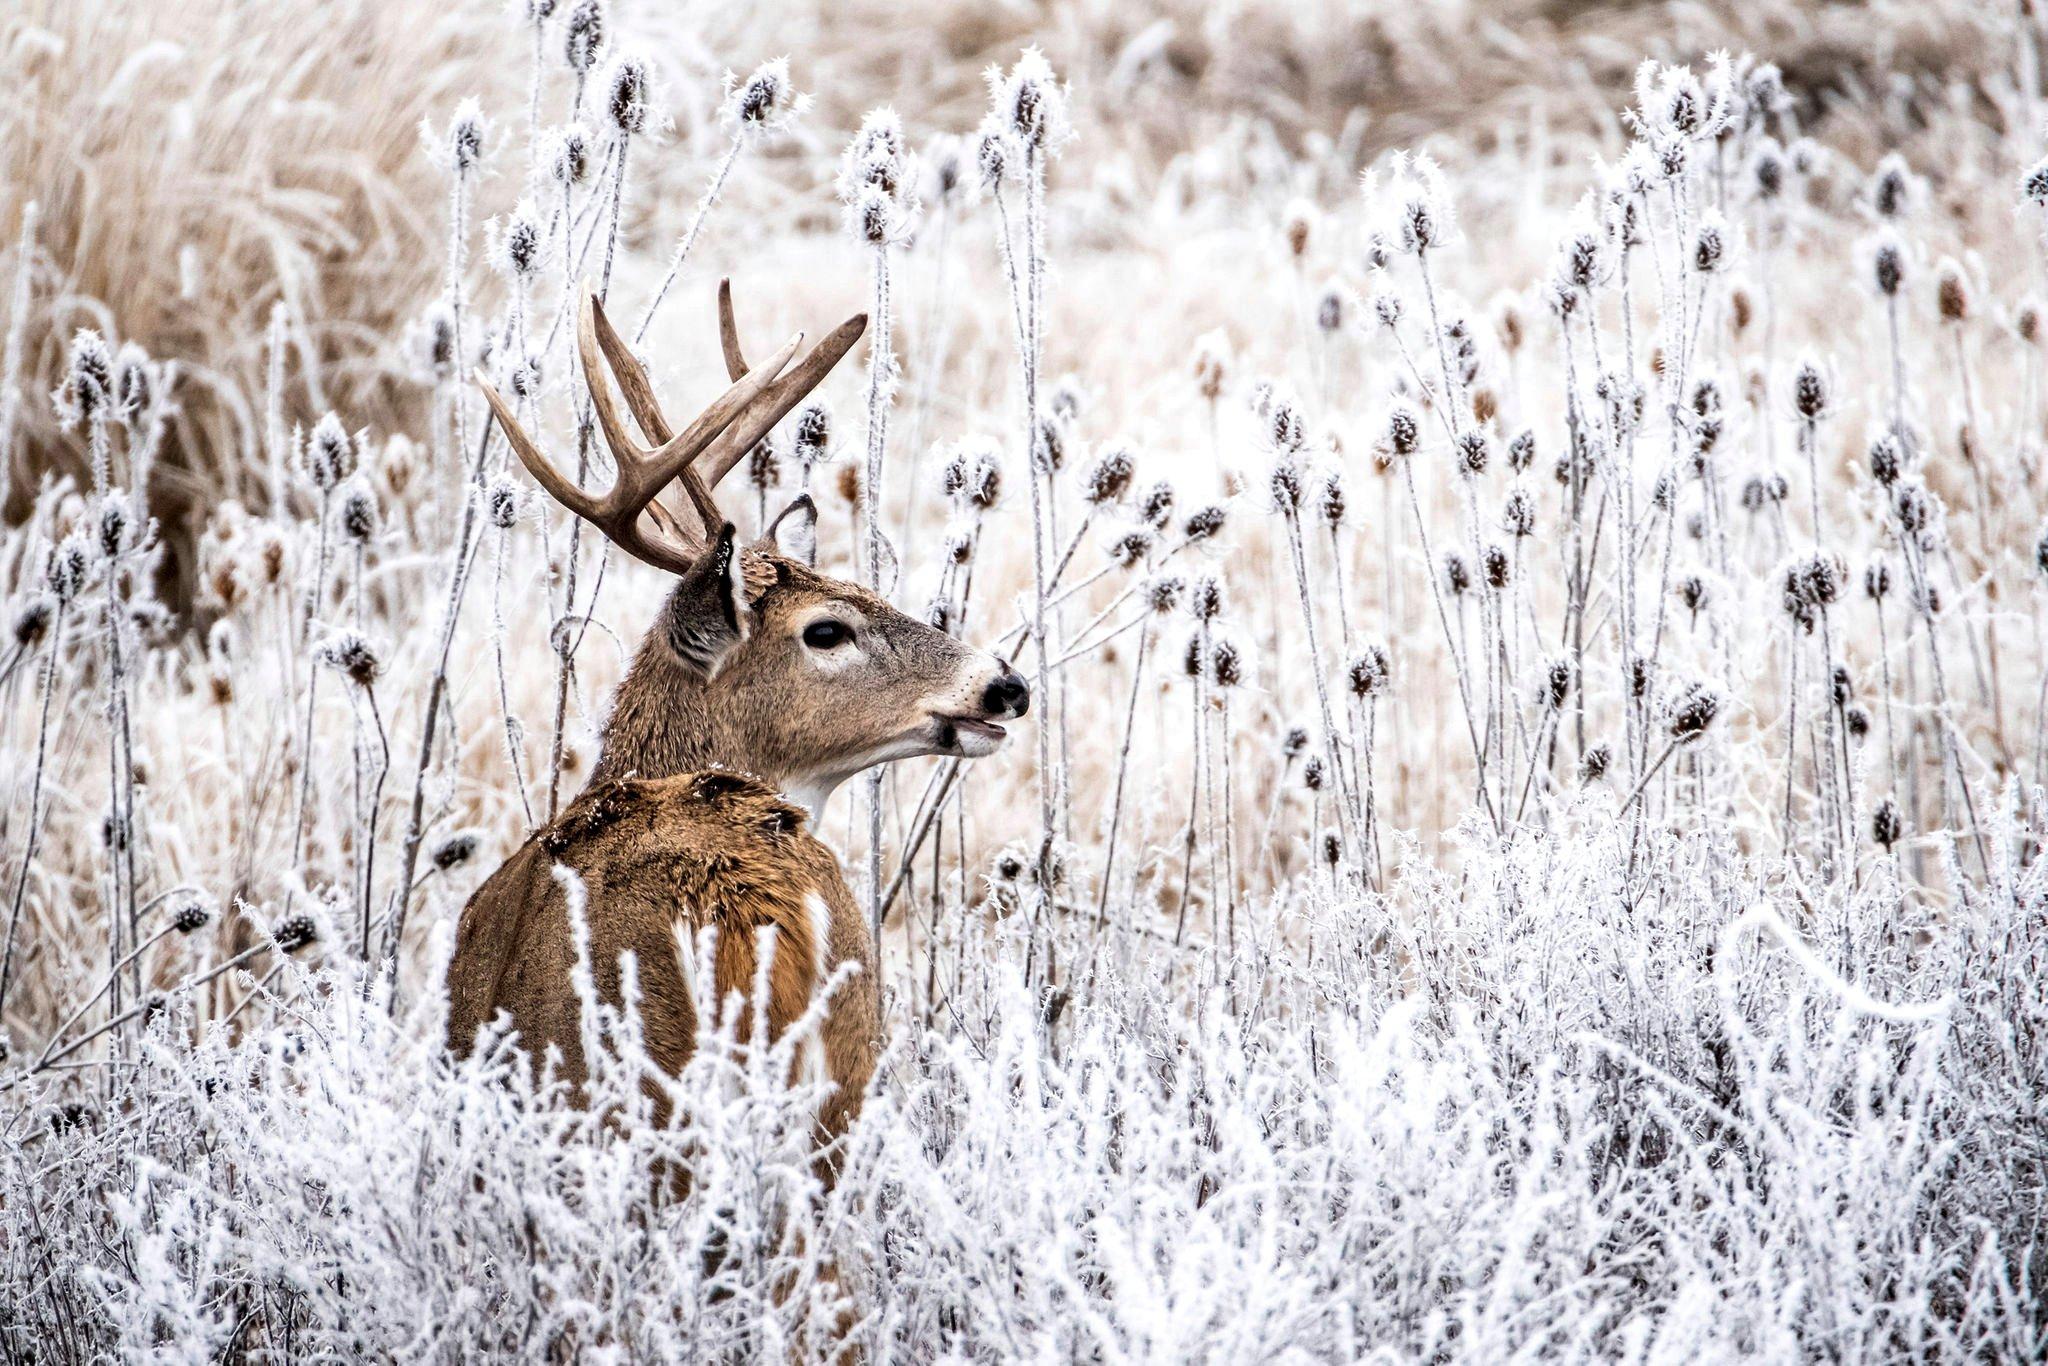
827	635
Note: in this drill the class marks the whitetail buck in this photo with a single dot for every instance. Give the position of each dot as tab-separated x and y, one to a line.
761	687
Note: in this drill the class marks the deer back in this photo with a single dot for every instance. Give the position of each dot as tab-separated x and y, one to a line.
658	856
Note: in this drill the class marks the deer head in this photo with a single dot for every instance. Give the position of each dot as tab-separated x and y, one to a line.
757	662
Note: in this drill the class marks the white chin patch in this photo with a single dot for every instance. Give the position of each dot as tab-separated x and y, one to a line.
969	738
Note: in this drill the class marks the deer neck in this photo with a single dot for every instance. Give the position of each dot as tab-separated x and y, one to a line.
666	720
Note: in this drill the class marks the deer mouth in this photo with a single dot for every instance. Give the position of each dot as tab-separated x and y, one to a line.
970	737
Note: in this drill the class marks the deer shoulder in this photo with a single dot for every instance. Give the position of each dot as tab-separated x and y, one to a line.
661	860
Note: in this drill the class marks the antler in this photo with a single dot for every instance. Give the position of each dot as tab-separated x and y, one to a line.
697	457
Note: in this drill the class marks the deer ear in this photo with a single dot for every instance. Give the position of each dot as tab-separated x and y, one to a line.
708	614
794	532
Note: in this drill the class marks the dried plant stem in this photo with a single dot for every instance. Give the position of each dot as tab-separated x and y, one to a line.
35	803
688	240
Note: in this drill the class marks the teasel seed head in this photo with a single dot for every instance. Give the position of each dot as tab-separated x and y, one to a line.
1518	514
1333	849
518	247
1312	773
1888	265
1404	430
1497	568
1386	307
1522	451
2041	552
1594	763
1710	246
1457	574
1474	450
1887	826
1692	592
1841	688
568	156
1557	682
1891	187
135	380
330	454
1297	226
70	562
1109	478
1333	309
294	933
465	137
1856	721
191	913
811	438
87	393
1131	548
1330	499
32	619
1285	484
1203	523
583	36
1157	508
358	515
501	503
1810	392
454	851
1031	102
113	526
1877	580
1886	462
1205	600
351	655
1163	593
1692	711
1914	506
1226	664
993	153
985	480
1213	359
765	100
1370	673
1767	170
764	465
1952	292
1292	743
1640	671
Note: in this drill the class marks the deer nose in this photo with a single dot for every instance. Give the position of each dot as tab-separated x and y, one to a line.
1009	695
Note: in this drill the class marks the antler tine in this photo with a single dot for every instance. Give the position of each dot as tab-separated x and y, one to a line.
639	393
632	376
729	333
537	464
643	473
781	396
662	550
631	457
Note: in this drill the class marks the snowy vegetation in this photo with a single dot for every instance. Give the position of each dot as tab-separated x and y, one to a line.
1528	842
